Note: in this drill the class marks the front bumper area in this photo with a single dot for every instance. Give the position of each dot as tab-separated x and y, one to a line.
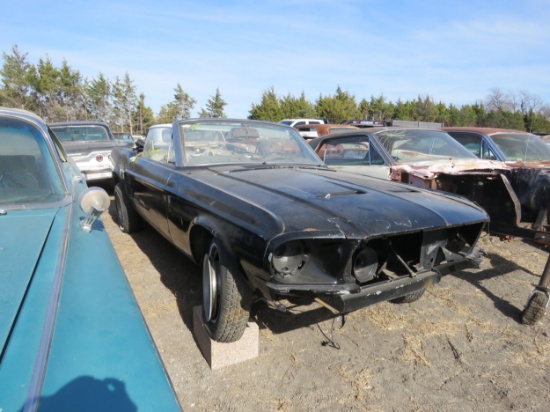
350	298
381	292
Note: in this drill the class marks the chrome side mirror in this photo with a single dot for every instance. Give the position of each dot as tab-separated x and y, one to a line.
93	201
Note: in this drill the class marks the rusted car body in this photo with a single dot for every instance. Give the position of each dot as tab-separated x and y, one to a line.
267	219
528	156
514	191
427	158
528	159
311	131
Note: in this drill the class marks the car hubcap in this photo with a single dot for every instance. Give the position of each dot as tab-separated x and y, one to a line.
209	284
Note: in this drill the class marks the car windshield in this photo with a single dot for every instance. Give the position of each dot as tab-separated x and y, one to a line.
243	142
159	134
80	133
27	171
123	136
522	147
418	145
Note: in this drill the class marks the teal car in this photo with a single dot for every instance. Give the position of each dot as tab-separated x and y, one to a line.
72	337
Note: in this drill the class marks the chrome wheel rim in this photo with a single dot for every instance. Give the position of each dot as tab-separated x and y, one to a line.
210	284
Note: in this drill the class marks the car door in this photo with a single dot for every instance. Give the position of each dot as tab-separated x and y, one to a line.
150	174
478	144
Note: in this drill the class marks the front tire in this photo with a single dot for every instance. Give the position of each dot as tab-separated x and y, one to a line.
226	299
128	219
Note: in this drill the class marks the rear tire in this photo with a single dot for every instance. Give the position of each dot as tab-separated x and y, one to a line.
226	298
128	219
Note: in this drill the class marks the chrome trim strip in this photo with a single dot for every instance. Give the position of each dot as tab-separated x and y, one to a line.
39	369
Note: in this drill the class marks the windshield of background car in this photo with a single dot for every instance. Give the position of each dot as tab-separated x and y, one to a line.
418	145
242	142
522	147
80	133
27	171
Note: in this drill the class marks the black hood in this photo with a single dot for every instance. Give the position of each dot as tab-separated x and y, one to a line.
286	199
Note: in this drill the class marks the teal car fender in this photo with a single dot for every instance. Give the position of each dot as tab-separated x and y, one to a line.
71	334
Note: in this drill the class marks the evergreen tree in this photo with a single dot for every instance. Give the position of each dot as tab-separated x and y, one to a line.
44	80
214	107
15	80
269	108
71	93
167	113
98	97
337	108
296	108
183	103
125	102
379	109
425	109
142	117
403	110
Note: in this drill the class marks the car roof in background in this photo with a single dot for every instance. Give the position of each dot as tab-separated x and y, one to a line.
484	130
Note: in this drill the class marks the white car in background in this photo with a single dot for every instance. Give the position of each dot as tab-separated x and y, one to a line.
297	122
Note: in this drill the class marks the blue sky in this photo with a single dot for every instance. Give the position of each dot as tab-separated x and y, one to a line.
454	51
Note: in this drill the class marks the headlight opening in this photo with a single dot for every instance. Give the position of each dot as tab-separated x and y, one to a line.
365	264
289	258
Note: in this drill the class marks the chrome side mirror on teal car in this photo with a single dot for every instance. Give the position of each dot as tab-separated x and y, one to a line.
93	201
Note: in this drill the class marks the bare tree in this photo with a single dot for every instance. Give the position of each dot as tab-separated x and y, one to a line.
497	101
525	102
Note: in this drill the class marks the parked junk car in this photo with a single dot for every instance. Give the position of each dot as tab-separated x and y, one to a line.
123	136
138	138
432	158
311	131
428	158
158	137
297	122
363	123
89	144
528	156
253	204
71	335
529	159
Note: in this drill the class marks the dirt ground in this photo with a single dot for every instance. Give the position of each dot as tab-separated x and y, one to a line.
459	348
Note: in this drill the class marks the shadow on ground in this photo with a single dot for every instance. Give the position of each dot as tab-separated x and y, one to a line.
183	278
498	266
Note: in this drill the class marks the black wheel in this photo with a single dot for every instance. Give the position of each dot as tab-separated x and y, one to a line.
411	297
535	308
226	299
128	219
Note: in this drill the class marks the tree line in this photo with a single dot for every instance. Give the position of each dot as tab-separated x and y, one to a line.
62	94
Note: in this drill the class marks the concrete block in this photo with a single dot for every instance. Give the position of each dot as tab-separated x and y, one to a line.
219	355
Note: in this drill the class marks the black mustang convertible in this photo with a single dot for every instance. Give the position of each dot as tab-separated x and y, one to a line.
256	207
